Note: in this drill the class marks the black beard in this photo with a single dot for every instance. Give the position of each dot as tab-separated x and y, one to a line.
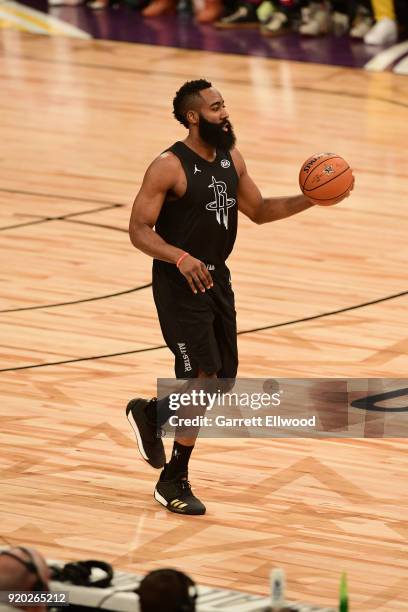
214	134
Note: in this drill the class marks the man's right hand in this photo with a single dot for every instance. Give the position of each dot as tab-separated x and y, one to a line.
196	273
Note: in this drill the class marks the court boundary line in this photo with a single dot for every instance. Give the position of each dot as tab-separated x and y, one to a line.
102	225
240	333
67	217
57	196
63	218
81	301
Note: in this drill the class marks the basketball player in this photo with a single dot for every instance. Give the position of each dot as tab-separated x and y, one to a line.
191	195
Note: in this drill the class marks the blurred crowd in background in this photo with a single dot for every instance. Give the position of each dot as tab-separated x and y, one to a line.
377	22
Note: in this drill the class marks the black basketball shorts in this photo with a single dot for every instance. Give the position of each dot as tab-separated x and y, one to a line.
199	328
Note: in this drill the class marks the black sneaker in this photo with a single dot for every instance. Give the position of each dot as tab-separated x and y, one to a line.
176	495
148	436
243	17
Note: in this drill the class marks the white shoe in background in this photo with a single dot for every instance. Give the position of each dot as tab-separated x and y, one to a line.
340	23
316	19
361	27
65	2
278	24
384	32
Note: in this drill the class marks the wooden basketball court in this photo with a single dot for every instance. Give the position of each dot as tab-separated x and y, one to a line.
80	121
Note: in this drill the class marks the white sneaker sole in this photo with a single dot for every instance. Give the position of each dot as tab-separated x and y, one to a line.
160	498
137	434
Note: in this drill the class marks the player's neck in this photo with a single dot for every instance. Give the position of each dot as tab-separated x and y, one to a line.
200	147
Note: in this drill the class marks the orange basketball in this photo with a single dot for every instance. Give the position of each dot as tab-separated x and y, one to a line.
324	177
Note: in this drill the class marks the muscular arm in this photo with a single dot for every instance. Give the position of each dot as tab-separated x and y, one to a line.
259	209
161	177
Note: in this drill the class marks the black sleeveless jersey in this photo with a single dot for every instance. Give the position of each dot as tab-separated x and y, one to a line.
204	221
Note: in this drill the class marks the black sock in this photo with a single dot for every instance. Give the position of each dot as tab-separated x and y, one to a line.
178	463
158	411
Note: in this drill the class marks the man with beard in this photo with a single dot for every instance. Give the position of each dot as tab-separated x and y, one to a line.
191	195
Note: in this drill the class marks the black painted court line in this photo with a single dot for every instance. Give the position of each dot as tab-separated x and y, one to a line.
43	365
246	331
26	223
102	225
61	217
58	196
325	314
92	299
68	217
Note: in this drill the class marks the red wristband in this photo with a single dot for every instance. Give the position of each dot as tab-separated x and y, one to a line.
180	259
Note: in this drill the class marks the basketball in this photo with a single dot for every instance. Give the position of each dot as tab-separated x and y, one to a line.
325	177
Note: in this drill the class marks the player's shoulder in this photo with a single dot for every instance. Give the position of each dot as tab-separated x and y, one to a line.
165	161
164	168
238	160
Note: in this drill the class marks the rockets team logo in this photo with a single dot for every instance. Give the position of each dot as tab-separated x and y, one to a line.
222	202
